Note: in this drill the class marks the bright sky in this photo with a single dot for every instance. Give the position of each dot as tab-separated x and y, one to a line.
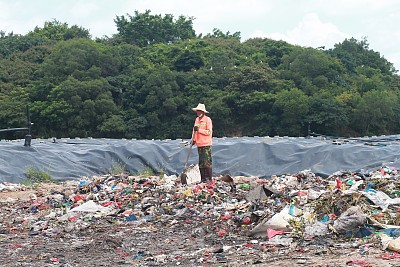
311	23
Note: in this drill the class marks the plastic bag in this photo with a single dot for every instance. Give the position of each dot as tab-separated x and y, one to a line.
278	222
350	219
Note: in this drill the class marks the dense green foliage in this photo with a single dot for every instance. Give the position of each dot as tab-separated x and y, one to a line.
142	82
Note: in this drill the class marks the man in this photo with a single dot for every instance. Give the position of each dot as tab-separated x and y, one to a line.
202	138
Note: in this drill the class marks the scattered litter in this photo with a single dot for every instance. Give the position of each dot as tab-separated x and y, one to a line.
148	221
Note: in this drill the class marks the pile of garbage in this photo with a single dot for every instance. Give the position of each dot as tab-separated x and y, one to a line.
232	216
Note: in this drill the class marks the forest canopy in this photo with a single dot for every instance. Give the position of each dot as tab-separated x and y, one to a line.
142	82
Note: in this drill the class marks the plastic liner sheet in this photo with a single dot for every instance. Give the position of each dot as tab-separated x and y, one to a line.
66	159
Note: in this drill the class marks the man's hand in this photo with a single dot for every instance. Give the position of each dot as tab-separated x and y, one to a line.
195	128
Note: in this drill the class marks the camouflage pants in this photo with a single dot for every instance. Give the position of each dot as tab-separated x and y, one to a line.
205	158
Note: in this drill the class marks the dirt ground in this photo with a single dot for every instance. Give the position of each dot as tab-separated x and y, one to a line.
190	238
106	244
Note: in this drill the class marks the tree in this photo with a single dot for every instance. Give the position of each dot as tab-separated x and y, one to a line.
368	79
11	43
16	71
113	127
221	54
250	94
310	69
376	113
76	108
188	60
80	58
141	82
57	31
217	33
253	78
268	51
353	53
327	115
13	108
153	102
144	29
290	112
256	108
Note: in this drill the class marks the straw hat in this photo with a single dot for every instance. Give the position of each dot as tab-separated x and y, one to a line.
200	107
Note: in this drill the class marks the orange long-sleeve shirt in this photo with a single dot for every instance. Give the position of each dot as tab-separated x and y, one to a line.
203	137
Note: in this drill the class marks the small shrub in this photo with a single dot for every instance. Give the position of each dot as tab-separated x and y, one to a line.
162	172
35	175
117	168
146	172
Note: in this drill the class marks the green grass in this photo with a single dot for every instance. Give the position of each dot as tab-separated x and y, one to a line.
146	172
162	172
35	175
117	168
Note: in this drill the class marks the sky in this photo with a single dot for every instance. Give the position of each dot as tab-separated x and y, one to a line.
308	23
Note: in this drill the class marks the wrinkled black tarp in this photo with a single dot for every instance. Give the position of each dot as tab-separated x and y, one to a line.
67	159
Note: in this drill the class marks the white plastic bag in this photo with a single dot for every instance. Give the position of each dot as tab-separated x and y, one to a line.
90	206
